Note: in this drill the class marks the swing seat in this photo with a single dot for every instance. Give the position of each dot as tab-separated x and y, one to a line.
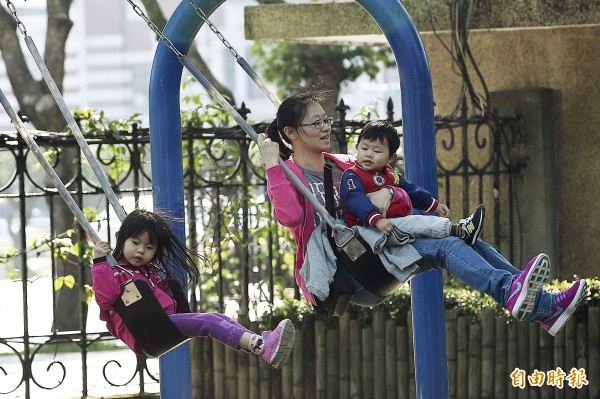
355	268
367	268
145	318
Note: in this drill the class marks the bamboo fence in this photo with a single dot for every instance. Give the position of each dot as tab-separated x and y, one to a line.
342	358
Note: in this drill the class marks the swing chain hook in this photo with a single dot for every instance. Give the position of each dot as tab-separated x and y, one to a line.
13	11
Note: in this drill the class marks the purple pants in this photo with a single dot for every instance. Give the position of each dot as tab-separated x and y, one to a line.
214	325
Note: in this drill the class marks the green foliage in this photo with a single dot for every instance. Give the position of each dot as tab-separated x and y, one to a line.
367	112
93	122
594	288
64	248
470	303
50	154
466	301
289	65
201	111
39	245
293	309
87	293
7	253
64	281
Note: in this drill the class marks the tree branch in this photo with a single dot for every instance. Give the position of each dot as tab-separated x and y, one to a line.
21	80
59	27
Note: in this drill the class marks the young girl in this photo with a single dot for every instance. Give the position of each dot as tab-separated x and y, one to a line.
148	248
301	134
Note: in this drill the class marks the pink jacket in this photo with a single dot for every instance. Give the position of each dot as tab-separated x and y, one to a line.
292	210
107	289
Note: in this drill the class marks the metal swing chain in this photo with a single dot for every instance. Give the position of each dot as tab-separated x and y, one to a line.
197	74
60	102
155	29
214	93
52	175
212	27
13	11
240	60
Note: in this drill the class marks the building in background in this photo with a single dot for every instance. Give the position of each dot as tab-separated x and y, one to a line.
110	51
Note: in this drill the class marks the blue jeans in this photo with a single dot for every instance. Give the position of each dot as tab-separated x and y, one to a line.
481	267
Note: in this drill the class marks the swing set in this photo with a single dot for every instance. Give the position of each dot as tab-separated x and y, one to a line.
140	310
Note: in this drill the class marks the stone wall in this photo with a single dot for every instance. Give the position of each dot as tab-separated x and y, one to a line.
518	45
562	59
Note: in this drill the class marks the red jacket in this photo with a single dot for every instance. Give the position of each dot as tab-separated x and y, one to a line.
359	210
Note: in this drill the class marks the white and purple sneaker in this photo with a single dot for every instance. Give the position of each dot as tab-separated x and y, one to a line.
564	306
277	344
525	286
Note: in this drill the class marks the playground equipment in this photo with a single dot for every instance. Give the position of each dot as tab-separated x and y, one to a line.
167	173
420	163
138	307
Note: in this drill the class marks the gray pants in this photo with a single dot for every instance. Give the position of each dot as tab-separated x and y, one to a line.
424	226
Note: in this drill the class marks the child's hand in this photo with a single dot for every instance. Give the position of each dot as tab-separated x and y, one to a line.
101	249
381	199
443	210
385	226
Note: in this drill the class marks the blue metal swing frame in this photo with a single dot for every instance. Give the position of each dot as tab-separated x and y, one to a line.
420	166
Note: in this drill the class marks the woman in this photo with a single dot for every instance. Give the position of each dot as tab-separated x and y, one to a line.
301	134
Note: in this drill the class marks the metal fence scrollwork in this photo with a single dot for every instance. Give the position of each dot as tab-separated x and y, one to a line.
228	219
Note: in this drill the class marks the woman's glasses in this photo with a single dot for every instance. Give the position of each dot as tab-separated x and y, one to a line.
318	124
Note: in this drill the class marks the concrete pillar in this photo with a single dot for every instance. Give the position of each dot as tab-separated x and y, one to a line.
535	199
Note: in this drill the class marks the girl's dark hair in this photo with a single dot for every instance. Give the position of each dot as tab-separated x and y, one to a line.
379	130
170	251
290	113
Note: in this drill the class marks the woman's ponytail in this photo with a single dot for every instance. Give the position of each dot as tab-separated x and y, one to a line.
273	133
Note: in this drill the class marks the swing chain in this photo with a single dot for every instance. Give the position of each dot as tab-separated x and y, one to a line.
13	11
245	66
212	27
155	29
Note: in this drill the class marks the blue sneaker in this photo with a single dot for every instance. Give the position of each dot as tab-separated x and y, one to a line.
525	286
564	306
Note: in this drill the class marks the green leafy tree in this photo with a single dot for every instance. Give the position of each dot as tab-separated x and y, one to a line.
328	67
35	101
292	64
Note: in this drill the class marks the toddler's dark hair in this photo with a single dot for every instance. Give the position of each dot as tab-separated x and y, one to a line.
170	251
380	130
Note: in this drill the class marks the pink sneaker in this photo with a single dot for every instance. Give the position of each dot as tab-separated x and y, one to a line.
565	304
278	344
525	286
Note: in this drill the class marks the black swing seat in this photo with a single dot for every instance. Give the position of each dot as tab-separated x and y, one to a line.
367	268
356	266
145	318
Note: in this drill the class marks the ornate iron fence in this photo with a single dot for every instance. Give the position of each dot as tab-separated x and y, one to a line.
250	257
